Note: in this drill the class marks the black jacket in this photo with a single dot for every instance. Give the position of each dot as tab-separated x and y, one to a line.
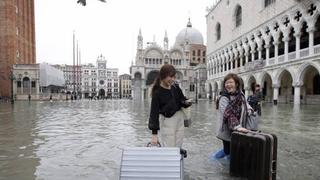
166	102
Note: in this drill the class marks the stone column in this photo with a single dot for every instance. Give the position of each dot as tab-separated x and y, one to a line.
267	38
311	43
267	46
246	52
275	94
286	47
38	86
223	67
297	35
217	68
235	56
240	50
30	86
246	93
252	55
247	57
276	43
297	45
297	94
260	53
253	49
21	92
228	66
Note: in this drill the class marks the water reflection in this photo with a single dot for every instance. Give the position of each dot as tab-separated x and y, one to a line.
84	139
17	145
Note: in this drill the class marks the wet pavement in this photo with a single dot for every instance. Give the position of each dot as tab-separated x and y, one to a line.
84	139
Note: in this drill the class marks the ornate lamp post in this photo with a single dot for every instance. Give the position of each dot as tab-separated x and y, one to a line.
12	78
196	86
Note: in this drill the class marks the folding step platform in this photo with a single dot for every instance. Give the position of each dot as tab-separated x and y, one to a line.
146	163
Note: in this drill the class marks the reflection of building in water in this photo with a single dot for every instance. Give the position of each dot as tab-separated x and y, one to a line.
273	43
187	52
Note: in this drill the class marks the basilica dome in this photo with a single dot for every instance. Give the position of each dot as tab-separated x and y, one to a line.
189	35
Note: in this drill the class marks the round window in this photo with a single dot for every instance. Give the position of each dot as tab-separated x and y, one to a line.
101	82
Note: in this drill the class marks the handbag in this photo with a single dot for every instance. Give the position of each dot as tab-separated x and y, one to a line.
251	119
185	111
186	116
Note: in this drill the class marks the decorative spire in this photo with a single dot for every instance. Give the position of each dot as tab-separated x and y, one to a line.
165	41
140	32
189	23
140	40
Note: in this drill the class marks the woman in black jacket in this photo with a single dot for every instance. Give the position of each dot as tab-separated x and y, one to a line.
165	113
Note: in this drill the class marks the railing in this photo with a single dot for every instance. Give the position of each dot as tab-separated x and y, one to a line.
256	64
292	56
317	49
271	61
281	59
304	52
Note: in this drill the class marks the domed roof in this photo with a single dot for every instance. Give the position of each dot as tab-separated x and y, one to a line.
189	35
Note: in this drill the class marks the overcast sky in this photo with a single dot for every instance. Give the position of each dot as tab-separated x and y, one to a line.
111	28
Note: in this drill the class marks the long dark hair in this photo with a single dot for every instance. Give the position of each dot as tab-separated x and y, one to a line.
165	71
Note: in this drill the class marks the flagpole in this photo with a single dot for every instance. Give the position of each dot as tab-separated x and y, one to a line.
74	78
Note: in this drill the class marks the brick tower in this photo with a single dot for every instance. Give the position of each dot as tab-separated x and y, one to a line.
17	38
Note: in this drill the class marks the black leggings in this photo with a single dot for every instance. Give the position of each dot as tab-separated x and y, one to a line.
226	147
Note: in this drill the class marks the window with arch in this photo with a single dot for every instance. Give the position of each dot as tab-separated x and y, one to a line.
218	31
238	16
268	2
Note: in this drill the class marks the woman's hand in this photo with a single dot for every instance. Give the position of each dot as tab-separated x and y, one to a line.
154	140
241	129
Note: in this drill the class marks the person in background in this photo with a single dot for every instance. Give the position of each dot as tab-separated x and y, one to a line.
254	100
218	99
165	112
231	113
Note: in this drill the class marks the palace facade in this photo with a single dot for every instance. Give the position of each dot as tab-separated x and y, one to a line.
274	43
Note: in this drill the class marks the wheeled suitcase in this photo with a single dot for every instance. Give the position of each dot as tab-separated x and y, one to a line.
145	163
253	155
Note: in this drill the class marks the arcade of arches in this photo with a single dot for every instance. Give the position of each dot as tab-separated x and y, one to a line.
284	87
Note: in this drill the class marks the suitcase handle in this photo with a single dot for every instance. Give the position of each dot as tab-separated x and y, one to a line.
151	145
253	132
274	167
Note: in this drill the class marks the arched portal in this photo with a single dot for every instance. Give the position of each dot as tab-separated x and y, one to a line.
210	91
137	76
137	86
286	90
151	77
102	93
267	91
26	85
310	91
251	83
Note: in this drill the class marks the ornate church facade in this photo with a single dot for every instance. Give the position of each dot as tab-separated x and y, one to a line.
187	52
274	43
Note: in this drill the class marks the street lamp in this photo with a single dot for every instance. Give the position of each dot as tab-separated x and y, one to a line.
196	86
12	78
